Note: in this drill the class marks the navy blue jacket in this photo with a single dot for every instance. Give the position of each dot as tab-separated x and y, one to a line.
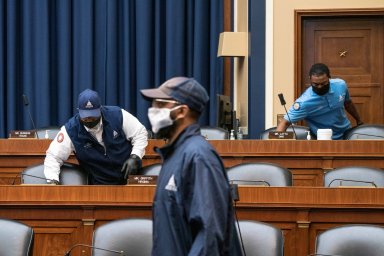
192	209
102	163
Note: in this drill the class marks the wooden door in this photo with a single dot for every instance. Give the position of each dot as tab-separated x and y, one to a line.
353	49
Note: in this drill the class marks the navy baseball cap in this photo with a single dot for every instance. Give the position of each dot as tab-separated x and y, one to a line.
89	104
182	89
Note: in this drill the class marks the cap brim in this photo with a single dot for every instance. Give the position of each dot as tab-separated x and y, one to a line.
89	113
154	94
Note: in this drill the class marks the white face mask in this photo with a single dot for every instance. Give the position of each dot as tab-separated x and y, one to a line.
160	118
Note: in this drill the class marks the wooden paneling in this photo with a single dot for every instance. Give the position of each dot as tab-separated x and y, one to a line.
352	47
308	160
66	215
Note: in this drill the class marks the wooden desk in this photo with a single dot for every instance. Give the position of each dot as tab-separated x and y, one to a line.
62	216
308	160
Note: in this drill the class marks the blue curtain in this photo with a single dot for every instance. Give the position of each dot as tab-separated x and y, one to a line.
51	50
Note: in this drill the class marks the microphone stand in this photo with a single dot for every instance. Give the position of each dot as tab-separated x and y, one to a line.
26	103
30	175
68	253
282	102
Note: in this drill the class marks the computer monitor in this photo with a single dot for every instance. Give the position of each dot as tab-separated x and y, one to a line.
224	112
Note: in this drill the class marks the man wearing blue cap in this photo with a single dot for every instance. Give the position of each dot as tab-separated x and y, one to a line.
192	208
108	142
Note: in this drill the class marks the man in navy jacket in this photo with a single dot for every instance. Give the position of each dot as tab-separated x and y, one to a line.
192	209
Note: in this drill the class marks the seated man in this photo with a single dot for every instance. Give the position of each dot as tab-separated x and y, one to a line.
108	142
323	105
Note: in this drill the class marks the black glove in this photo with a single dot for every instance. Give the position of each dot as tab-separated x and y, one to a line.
131	166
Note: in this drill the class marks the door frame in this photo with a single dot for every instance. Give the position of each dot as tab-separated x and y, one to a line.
300	15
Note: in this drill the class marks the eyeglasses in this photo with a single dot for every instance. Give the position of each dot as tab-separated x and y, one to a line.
160	103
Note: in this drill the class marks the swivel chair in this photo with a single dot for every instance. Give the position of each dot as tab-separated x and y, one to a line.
70	174
153	169
262	174
261	238
132	236
354	176
51	131
351	240
16	238
365	132
301	132
214	133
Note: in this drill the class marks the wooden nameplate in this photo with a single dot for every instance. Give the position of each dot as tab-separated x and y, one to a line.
281	136
23	134
142	179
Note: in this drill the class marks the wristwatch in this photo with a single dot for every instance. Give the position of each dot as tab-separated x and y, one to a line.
53	182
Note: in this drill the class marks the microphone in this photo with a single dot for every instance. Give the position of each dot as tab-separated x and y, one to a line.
235	187
357	181
26	103
234	192
282	102
68	253
30	175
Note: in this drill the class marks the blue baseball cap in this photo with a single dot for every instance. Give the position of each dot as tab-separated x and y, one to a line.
182	89
89	104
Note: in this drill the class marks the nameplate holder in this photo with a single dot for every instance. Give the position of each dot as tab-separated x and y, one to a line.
142	179
22	134
281	136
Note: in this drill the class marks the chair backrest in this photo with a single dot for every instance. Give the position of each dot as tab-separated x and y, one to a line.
70	174
52	131
214	133
132	236
366	132
16	238
264	174
301	132
354	176
153	169
351	240
261	238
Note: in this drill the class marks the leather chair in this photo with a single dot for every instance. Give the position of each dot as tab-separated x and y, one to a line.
262	174
354	176
132	236
70	174
261	238
153	169
52	131
16	238
301	132
214	133
351	240
365	132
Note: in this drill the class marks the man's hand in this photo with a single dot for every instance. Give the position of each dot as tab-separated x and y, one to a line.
53	182
131	166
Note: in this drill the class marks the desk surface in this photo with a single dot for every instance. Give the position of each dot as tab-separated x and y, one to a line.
250	196
238	147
